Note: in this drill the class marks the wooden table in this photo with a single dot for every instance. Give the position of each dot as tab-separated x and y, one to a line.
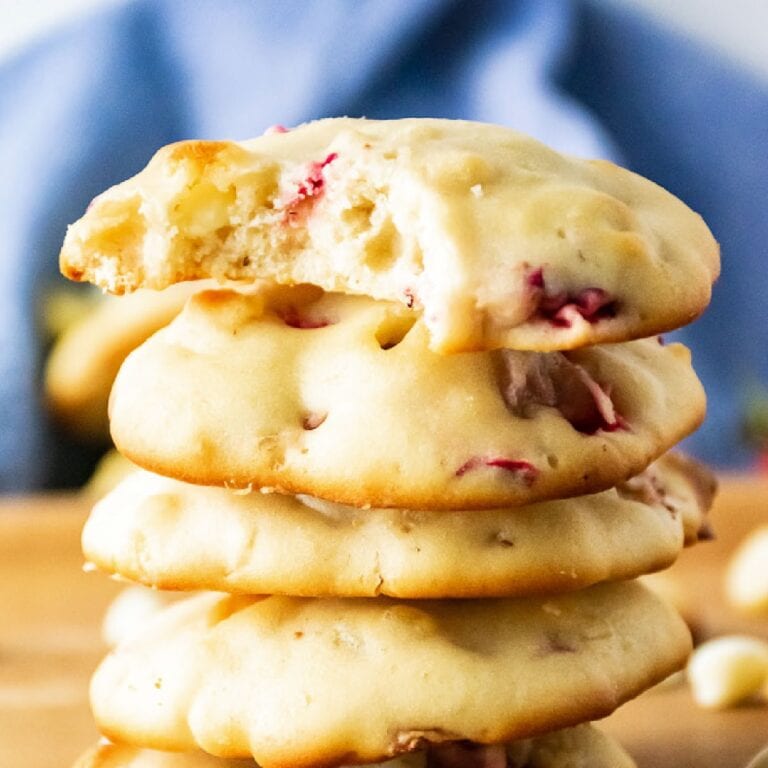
664	728
49	642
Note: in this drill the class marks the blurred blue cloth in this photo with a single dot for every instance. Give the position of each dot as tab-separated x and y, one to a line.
87	107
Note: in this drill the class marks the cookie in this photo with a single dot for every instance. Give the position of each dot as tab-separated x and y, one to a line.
111	469
130	609
339	397
171	535
303	682
583	746
86	357
501	241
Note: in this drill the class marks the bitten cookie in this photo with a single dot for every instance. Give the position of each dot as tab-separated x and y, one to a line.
501	241
172	535
339	397
583	746
301	682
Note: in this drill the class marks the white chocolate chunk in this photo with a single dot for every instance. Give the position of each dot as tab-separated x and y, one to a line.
747	576
760	760
728	670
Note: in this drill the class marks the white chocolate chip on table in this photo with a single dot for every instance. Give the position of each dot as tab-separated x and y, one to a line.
760	760
728	670
746	581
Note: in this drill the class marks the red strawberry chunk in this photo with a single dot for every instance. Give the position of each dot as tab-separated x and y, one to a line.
410	297
609	420
530	381
535	278
524	469
293	318
311	187
313	420
562	308
591	301
465	754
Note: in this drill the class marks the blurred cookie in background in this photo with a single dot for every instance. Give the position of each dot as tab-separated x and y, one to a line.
111	469
96	334
131	609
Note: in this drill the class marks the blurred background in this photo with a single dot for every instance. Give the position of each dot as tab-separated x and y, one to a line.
89	89
738	34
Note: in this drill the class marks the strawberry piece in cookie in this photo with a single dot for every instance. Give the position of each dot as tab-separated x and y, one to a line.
295	319
311	187
524	469
531	381
561	309
466	754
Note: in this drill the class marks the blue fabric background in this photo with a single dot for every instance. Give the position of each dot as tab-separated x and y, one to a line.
87	107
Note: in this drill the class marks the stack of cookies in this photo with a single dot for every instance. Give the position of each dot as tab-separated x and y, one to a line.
422	448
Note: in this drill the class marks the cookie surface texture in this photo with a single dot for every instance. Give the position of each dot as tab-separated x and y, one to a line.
339	397
263	677
502	241
583	746
172	535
